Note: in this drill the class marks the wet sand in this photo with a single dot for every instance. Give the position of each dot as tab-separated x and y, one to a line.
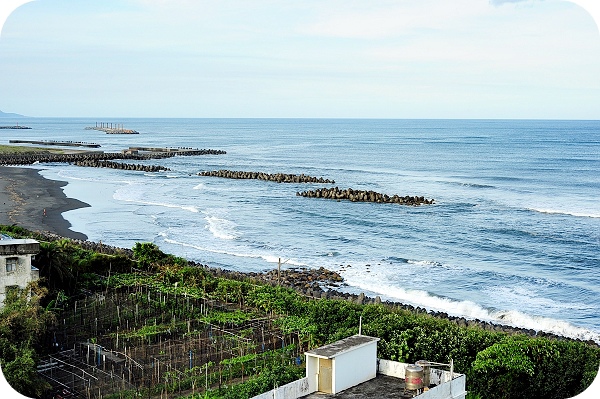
25	194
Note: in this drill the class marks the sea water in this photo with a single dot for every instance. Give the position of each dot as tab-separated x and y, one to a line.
513	236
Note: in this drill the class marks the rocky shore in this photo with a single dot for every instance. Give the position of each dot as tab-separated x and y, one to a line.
277	177
363	196
325	284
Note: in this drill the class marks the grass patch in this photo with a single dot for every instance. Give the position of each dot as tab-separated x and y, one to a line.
22	150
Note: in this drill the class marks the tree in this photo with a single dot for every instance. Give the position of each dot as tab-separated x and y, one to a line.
54	263
23	321
149	255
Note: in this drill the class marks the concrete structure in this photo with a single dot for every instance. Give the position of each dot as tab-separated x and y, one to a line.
15	264
293	390
335	367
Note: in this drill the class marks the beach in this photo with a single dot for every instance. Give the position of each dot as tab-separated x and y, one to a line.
29	200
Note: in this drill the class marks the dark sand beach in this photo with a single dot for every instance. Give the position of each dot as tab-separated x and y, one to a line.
25	194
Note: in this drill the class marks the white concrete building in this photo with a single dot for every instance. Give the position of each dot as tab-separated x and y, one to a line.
333	368
15	264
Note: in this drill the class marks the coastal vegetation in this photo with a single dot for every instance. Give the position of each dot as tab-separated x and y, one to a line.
201	332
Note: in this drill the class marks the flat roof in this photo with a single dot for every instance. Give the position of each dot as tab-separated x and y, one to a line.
380	387
342	346
17	241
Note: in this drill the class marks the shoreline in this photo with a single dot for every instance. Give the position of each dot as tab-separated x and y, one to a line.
25	194
325	284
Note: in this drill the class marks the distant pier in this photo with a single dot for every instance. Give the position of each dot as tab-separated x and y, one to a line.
15	127
111	128
60	143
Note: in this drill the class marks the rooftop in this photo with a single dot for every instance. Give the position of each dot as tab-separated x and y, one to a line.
380	387
10	246
6	240
342	346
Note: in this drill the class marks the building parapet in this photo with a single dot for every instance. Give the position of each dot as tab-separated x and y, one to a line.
19	247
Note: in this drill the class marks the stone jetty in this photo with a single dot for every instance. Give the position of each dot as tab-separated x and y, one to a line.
14	127
31	158
172	151
58	143
95	163
363	196
45	157
277	177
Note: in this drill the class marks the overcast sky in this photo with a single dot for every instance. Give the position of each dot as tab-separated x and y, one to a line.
303	58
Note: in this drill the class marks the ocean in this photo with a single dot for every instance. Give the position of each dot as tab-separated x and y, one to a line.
513	236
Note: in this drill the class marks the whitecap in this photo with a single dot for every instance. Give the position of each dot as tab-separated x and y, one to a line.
221	228
567	213
428	263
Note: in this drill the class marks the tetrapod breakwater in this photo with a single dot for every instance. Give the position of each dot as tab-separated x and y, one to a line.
275	177
350	194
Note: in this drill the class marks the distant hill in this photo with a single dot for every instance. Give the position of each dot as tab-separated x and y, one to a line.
10	115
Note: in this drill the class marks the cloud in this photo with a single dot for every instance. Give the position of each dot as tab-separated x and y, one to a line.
7	7
367	20
592	7
498	2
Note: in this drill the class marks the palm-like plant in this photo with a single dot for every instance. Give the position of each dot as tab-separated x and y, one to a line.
55	264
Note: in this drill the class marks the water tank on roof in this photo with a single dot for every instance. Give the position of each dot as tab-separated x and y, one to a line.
426	371
413	378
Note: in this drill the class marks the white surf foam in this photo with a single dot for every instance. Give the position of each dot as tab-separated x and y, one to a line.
568	213
237	254
471	310
423	263
221	228
70	176
540	323
126	194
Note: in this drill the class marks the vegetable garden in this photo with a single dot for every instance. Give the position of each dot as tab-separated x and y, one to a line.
150	324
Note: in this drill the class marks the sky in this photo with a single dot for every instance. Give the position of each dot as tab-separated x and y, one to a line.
501	59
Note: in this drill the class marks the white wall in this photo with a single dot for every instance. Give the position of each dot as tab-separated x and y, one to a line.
454	389
391	368
293	390
354	367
